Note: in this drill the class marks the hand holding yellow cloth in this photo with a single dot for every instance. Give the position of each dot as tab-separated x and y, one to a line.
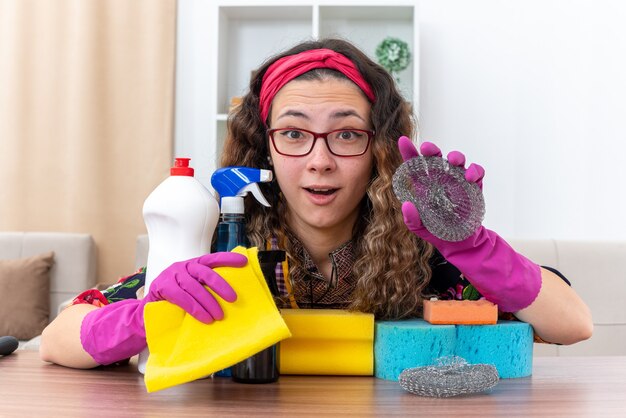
183	349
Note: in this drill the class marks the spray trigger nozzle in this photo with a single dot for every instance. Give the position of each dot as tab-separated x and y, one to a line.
233	183
256	192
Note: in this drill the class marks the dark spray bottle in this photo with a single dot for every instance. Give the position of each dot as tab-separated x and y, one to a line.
232	184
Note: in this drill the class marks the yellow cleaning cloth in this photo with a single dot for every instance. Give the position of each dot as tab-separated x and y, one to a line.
327	342
183	349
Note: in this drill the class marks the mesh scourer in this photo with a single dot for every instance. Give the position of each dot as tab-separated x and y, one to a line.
450	376
450	207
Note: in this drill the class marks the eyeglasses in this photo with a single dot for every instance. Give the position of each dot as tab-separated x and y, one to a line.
295	142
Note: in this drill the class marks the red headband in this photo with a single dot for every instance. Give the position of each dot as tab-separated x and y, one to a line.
287	68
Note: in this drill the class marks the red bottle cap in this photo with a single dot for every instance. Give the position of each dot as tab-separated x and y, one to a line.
181	168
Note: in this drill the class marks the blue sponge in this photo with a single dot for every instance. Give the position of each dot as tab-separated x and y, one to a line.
409	343
508	345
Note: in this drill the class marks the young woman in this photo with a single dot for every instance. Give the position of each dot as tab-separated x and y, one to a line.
330	123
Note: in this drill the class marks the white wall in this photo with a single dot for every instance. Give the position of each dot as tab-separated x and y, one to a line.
534	91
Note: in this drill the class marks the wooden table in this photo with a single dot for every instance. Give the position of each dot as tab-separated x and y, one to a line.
560	386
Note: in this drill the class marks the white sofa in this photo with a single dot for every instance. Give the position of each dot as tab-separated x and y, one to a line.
74	268
593	268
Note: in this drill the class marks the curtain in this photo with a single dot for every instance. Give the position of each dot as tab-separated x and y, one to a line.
86	118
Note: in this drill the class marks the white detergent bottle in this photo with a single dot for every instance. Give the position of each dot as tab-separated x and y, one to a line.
180	216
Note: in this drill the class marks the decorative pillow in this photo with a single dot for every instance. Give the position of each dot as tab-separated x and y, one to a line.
24	295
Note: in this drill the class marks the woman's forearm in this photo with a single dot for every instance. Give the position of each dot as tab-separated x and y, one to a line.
558	314
60	340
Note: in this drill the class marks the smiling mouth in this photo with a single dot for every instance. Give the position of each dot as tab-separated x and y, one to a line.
320	191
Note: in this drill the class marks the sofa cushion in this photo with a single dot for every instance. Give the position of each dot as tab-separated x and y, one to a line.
75	260
24	295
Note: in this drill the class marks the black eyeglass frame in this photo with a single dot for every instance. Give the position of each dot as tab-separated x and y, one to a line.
370	135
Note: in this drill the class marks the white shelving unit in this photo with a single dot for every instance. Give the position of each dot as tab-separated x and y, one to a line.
220	42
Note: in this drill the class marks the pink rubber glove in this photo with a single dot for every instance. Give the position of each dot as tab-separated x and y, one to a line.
116	332
500	274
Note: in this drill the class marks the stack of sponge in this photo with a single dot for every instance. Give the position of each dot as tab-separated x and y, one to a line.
337	342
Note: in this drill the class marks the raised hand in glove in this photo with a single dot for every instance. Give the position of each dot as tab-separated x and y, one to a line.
496	270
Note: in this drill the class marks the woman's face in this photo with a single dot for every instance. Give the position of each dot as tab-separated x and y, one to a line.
322	190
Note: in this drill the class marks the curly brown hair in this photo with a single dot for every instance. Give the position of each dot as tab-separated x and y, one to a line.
392	264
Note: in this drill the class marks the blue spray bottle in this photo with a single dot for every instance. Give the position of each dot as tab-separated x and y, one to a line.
233	184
